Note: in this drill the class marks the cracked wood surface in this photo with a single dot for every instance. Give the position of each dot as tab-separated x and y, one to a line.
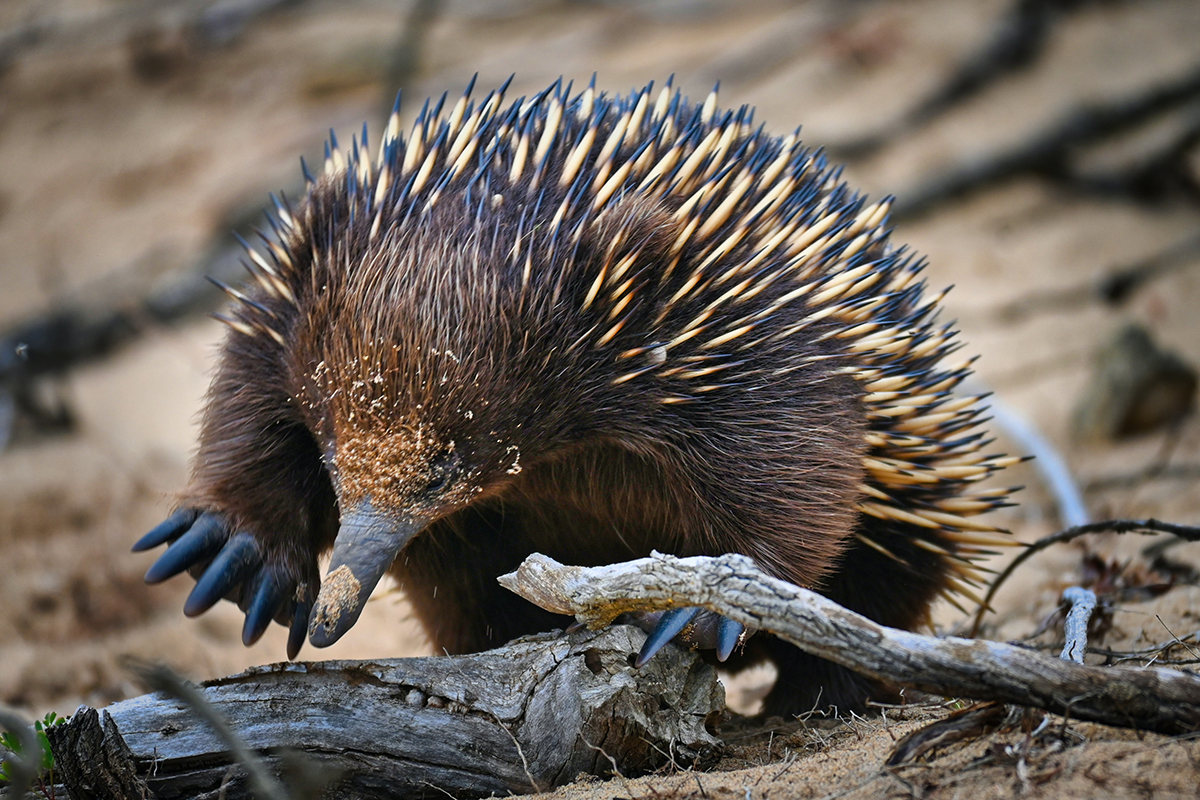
532	715
1157	699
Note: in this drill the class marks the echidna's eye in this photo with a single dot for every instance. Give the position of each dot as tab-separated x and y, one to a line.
442	471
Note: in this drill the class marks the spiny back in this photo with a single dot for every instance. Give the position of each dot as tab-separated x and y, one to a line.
671	243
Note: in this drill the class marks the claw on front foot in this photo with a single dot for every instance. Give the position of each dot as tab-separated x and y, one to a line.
269	595
169	530
692	626
229	564
238	560
729	634
299	629
670	625
197	542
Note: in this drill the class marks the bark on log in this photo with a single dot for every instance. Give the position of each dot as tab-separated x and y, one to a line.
531	715
1163	700
100	765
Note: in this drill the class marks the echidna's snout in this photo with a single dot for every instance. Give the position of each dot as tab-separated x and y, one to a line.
367	542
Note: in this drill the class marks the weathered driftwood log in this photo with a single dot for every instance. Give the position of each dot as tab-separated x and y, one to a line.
531	715
1163	700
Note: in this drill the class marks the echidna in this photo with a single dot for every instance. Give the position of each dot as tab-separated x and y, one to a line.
588	326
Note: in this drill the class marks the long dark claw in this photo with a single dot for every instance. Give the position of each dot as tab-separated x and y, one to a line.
729	633
237	561
669	626
201	542
299	629
167	530
272	590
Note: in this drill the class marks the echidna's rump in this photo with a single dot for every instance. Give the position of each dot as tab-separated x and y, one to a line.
588	326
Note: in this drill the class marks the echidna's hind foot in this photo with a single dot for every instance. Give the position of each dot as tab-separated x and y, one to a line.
232	565
693	627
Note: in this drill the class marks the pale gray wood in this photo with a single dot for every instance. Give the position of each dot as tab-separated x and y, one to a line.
531	715
1157	699
1082	603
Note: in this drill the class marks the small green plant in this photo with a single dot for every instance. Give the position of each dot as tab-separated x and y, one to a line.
9	743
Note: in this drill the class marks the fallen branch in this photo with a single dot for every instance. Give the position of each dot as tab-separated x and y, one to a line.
105	317
1018	40
1161	700
521	718
108	318
208	22
1112	288
984	718
1157	177
113	315
1048	152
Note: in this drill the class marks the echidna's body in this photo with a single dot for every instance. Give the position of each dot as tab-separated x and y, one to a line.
590	327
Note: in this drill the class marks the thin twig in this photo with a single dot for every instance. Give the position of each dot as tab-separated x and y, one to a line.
1176	638
1157	649
537	787
616	769
1147	526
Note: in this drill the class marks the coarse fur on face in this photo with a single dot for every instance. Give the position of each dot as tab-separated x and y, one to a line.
549	346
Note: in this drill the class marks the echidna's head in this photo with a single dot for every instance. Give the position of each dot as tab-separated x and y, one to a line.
394	473
424	383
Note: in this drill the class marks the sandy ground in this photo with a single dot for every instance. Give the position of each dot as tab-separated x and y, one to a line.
126	147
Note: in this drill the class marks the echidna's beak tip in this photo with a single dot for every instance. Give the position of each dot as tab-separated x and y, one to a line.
364	549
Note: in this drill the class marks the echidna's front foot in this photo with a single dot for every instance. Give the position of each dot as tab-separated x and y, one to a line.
693	626
229	564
